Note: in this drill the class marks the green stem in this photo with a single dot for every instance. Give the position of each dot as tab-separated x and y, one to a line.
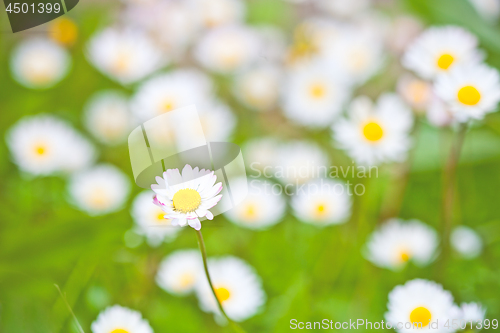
203	251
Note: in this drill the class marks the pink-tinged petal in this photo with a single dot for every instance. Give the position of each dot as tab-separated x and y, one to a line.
156	201
211	202
195	224
209	215
191	216
206	182
212	192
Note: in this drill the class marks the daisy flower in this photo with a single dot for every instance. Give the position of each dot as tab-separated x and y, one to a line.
422	302
63	30
488	9
237	287
44	145
415	92
322	202
188	196
180	271
150	221
471	90
396	242
125	56
440	49
313	95
374	134
214	13
466	242
118	319
107	117
472	312
39	63
228	48
260	209
100	190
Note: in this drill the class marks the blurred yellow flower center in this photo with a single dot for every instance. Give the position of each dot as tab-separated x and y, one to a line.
186	200
320	210
119	330
445	61
318	90
420	315
40	150
168	105
250	211
469	95
99	199
373	132
63	31
122	64
161	217
186	280
418	91
222	294
405	256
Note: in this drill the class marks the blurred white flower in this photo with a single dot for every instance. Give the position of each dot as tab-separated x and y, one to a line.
214	13
260	209
466	242
260	153
438	113
471	91
397	242
43	145
420	301
228	48
488	9
273	44
118	319
124	55
180	271
237	286
300	161
188	196
107	117
100	190
440	49
314	95
39	63
258	88
322	202
217	121
170	91
150	220
472	312
374	134
344	8
415	92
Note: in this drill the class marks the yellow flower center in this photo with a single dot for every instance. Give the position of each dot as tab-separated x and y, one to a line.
40	150
250	211
99	199
320	210
418	91
119	330
405	256
317	90
421	315
373	131
445	61
222	294
186	200
64	31
122	64
186	280
469	95
168	105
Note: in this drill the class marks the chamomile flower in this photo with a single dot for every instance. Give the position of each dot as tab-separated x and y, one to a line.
314	95
415	92
188	196
180	271
375	134
214	13
258	87
170	91
474	312
260	209
39	63
466	242
322	202
118	319
44	145
150	220
440	49
125	56
100	190
237	287
423	302
471	90
107	117
228	48
396	242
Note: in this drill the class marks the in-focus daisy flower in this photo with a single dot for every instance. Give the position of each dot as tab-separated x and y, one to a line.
260	209
488	9
215	13
258	87
124	55
107	117
472	312
314	95
180	271
100	190
397	242
170	91
322	202
466	242
344	8
228	48
298	162
415	92
237	287
43	145
375	134
118	319
39	63
188	196
150	220
440	49
63	30
470	90
420	301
